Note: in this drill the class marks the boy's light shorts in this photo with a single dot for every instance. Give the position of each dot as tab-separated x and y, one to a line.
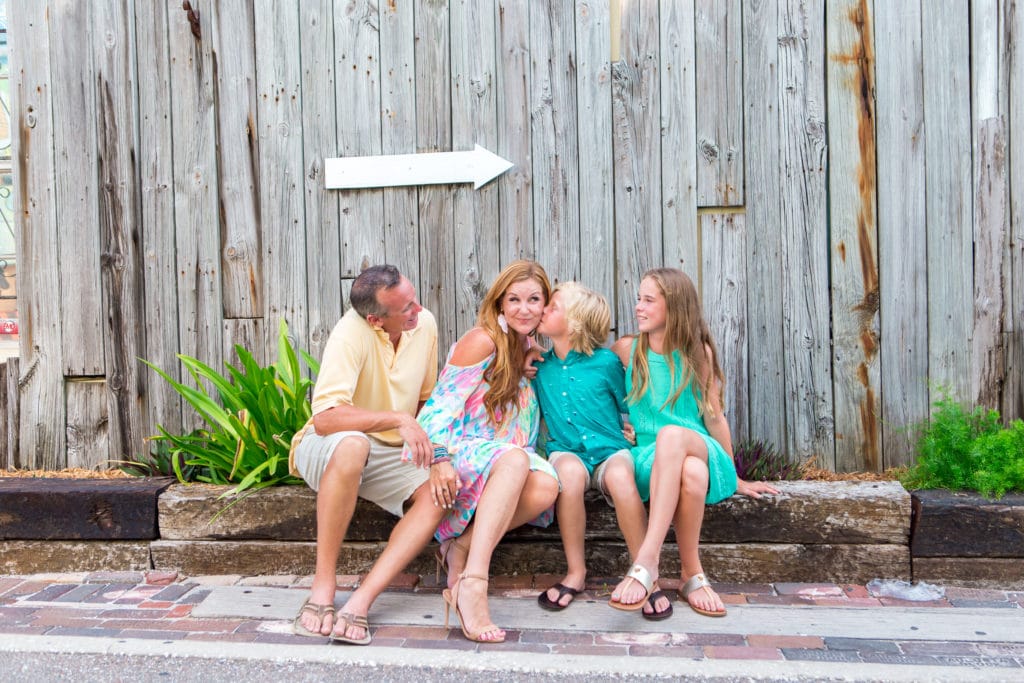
386	481
597	477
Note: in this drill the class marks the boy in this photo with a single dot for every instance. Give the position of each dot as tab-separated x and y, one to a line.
581	390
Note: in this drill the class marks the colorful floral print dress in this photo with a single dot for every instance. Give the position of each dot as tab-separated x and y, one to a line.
455	417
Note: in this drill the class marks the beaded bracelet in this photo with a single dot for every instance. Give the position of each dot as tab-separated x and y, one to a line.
441	459
440	455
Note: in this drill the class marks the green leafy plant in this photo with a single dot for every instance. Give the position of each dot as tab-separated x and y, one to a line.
159	462
761	461
250	423
957	450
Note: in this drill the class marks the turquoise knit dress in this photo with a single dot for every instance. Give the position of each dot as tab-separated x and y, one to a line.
648	417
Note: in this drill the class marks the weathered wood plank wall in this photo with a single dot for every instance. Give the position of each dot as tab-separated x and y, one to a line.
839	176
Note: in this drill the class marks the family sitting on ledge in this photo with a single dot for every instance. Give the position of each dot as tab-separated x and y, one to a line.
454	456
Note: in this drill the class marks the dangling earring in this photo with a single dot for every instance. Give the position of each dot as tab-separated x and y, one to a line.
503	323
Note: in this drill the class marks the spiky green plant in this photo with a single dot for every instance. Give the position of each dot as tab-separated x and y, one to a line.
250	421
761	461
959	449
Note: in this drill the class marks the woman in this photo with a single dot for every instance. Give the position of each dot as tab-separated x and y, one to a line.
483	416
683	454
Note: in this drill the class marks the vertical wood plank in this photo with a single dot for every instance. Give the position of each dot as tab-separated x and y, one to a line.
990	226
320	140
991	212
556	184
357	54
901	232
594	129
636	116
515	187
156	201
250	335
1013	392
88	426
719	61
41	394
853	234
279	111
803	160
947	123
398	132
193	120
10	413
73	96
474	121
232	36
679	179
119	225
724	295
434	134
763	222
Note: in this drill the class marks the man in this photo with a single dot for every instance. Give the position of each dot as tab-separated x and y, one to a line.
379	366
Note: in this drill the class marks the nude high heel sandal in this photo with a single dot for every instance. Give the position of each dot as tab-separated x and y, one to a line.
451	600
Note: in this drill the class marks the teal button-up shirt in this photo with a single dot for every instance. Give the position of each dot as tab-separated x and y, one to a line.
582	399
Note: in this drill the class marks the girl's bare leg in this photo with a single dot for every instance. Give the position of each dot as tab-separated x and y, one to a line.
689	517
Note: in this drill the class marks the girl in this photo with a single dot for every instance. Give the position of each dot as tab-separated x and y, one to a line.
684	450
483	419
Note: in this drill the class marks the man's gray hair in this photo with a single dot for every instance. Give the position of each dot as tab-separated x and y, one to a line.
363	297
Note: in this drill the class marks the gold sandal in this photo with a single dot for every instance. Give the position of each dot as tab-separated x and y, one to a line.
320	611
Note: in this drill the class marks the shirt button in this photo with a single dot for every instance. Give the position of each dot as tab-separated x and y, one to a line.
564	394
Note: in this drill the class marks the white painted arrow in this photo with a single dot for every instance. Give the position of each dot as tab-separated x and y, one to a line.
436	168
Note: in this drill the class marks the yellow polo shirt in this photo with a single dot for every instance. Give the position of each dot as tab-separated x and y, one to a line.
361	368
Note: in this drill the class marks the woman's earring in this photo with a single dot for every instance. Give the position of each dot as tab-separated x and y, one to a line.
502	323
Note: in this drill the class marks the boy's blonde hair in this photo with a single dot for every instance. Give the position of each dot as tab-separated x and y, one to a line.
587	315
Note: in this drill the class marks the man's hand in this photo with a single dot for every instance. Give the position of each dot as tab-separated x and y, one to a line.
533	355
754	489
416	439
444	484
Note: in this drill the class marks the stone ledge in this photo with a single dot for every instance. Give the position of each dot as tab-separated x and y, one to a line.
34	557
960	524
805	512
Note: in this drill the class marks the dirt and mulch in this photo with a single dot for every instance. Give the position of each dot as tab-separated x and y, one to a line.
70	473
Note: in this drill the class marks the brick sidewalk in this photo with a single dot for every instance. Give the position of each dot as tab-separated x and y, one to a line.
158	605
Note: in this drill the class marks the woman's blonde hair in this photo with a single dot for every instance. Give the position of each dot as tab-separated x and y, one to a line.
686	331
506	372
587	315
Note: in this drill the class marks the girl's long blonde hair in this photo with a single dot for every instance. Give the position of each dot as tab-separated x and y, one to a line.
506	372
686	331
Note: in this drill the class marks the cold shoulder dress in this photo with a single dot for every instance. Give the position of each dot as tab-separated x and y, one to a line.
455	416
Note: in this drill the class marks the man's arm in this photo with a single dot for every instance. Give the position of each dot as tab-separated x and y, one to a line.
348	418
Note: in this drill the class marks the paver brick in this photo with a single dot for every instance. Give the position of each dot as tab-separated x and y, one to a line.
412	632
847	602
892	658
24	588
738	652
977	661
194	597
7	584
46	620
79	593
681	651
133	614
984	603
589	650
271	581
77	631
715	639
928	647
779	600
790	642
821	655
157	577
998	649
172	592
16	615
110	592
745	588
558	637
861	644
810	590
51	592
404	582
147	624
215	579
231	637
896	602
537	648
448	644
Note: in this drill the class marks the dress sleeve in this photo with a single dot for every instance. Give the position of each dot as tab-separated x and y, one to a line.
443	410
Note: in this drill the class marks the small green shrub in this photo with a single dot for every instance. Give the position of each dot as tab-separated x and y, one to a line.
960	450
761	461
249	427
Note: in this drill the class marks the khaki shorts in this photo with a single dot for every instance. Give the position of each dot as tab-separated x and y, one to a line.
597	478
387	481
